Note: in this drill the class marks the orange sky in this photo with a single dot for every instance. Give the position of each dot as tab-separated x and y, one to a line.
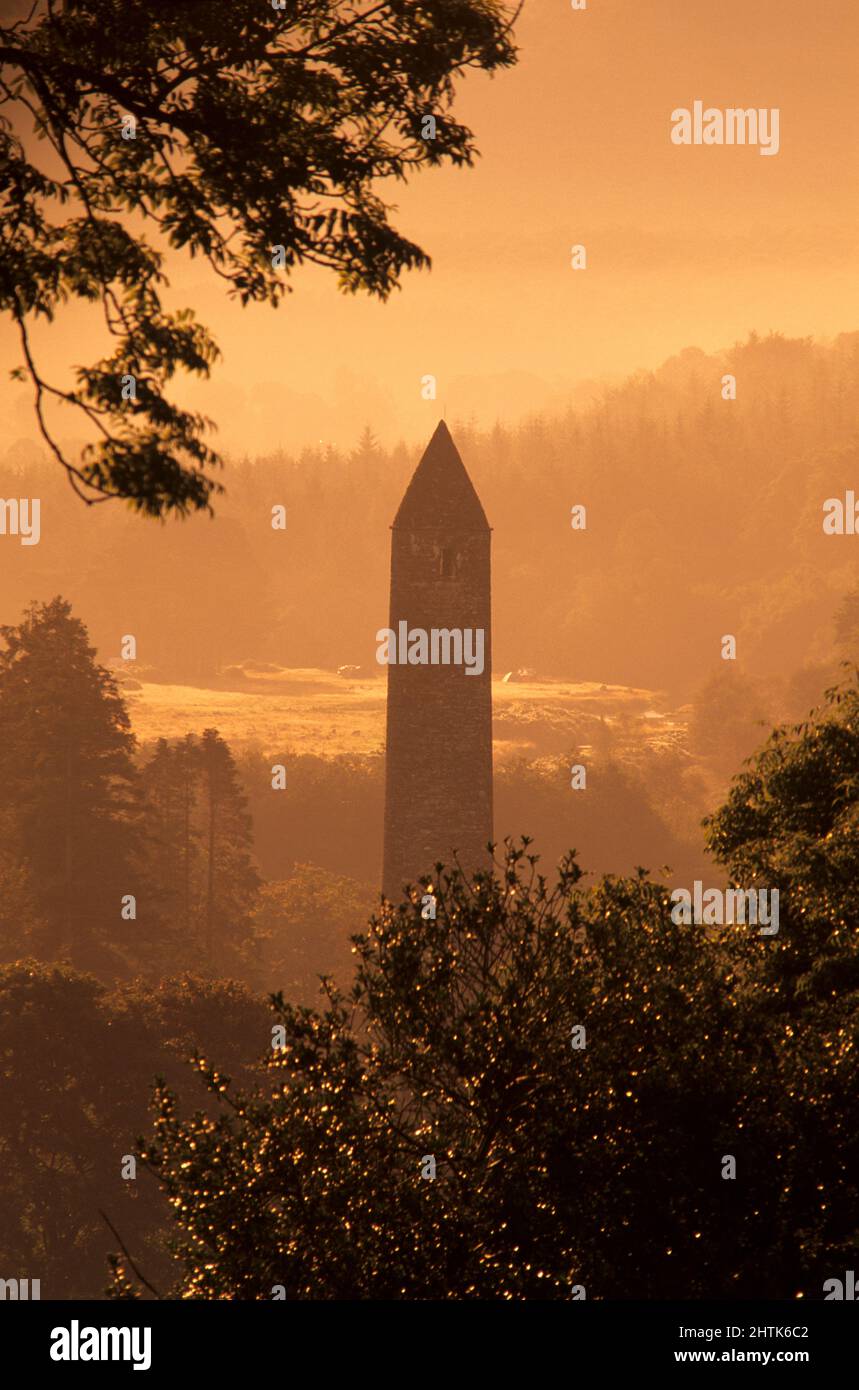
685	245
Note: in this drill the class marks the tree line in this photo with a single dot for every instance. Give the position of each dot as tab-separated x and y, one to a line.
659	460
117	866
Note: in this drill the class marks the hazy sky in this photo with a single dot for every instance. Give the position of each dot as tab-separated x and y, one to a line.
686	245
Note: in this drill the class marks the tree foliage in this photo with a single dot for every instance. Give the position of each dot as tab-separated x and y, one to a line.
790	824
601	1165
200	857
68	795
556	1166
227	129
305	924
79	1063
234	591
84	830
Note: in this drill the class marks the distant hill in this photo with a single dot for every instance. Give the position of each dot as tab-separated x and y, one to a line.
704	517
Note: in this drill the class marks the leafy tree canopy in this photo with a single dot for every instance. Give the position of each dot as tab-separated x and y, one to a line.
562	1158
790	823
68	804
230	129
79	1061
601	1165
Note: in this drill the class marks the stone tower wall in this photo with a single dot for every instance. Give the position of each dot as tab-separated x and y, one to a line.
438	793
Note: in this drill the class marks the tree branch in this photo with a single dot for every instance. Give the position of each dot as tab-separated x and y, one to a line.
138	1272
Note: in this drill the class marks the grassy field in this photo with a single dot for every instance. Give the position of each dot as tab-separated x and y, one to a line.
312	711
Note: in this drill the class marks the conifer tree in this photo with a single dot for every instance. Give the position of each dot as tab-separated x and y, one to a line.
231	881
169	790
67	791
204	880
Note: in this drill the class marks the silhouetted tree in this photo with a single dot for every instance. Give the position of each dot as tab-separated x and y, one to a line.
204	879
791	824
367	447
79	1061
169	782
231	881
67	791
250	135
555	1165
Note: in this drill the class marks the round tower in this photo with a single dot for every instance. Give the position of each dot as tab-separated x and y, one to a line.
438	772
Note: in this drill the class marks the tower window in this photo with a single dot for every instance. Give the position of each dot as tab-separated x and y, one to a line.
447	564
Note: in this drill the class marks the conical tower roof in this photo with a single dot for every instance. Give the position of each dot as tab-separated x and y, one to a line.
441	492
